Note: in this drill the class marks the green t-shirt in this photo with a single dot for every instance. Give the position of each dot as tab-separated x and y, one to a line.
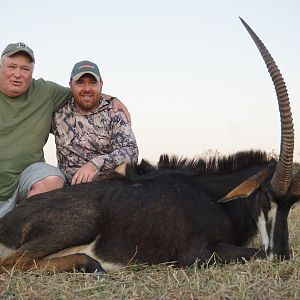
25	123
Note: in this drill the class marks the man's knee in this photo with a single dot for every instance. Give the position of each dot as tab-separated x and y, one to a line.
47	184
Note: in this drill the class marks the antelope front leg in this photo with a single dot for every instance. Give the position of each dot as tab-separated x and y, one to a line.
79	262
227	253
17	260
23	261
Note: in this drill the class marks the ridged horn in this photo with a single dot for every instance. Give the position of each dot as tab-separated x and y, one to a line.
282	175
295	184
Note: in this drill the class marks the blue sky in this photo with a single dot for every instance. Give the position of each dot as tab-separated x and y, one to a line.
188	71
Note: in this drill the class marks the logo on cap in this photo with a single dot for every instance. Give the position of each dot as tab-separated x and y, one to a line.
22	45
86	66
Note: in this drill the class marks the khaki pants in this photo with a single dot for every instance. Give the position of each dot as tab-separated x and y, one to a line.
29	176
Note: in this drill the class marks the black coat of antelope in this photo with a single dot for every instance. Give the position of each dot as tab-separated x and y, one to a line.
178	212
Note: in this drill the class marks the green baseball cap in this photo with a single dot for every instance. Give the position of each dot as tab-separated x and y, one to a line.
14	48
85	67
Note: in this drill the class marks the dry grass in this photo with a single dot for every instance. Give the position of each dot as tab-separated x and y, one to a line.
252	280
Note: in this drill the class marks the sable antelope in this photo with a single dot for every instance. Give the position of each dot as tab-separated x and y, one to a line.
179	212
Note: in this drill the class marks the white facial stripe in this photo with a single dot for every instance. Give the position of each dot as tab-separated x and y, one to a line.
272	218
87	249
268	239
262	227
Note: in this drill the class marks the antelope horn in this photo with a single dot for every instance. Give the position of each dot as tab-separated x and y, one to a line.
295	184
282	176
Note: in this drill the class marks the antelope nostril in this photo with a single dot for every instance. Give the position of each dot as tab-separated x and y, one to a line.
269	253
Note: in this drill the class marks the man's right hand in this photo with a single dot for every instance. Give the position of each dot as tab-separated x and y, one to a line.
85	174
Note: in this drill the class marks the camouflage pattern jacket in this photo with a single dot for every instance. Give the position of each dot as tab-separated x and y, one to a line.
106	141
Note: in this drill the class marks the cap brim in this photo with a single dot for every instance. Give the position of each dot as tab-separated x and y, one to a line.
10	53
77	76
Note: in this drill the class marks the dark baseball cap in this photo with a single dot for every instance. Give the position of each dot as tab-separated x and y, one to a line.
85	67
14	48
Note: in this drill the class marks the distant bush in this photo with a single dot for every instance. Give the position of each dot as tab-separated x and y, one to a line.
296	167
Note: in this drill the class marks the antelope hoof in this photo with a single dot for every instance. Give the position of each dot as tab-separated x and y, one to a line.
90	266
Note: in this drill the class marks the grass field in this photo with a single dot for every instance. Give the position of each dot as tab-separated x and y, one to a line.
258	279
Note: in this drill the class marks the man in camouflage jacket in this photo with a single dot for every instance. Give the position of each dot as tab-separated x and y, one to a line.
90	139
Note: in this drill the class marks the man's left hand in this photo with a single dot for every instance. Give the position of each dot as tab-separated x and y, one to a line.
118	105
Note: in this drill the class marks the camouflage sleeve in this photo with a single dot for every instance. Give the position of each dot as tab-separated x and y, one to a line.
124	145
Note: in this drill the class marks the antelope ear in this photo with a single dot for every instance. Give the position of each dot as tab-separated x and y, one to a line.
247	187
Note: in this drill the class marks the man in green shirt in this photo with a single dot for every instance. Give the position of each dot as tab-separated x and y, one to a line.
26	109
